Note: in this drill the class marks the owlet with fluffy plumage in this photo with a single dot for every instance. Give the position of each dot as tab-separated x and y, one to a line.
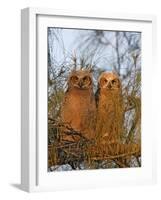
79	108
109	108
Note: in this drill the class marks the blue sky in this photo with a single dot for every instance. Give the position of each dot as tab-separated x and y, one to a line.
67	43
70	40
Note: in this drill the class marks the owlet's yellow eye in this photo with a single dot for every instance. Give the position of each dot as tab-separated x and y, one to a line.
86	79
74	78
113	81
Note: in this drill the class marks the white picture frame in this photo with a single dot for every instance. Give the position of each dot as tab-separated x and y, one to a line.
33	176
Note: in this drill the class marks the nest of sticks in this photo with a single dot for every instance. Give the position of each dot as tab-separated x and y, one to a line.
115	154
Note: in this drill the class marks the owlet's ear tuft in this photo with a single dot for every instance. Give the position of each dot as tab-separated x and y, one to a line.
100	77
115	73
91	70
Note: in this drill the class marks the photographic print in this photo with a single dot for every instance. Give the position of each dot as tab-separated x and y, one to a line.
94	99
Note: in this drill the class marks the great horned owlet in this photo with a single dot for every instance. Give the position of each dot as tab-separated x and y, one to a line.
79	109
109	108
